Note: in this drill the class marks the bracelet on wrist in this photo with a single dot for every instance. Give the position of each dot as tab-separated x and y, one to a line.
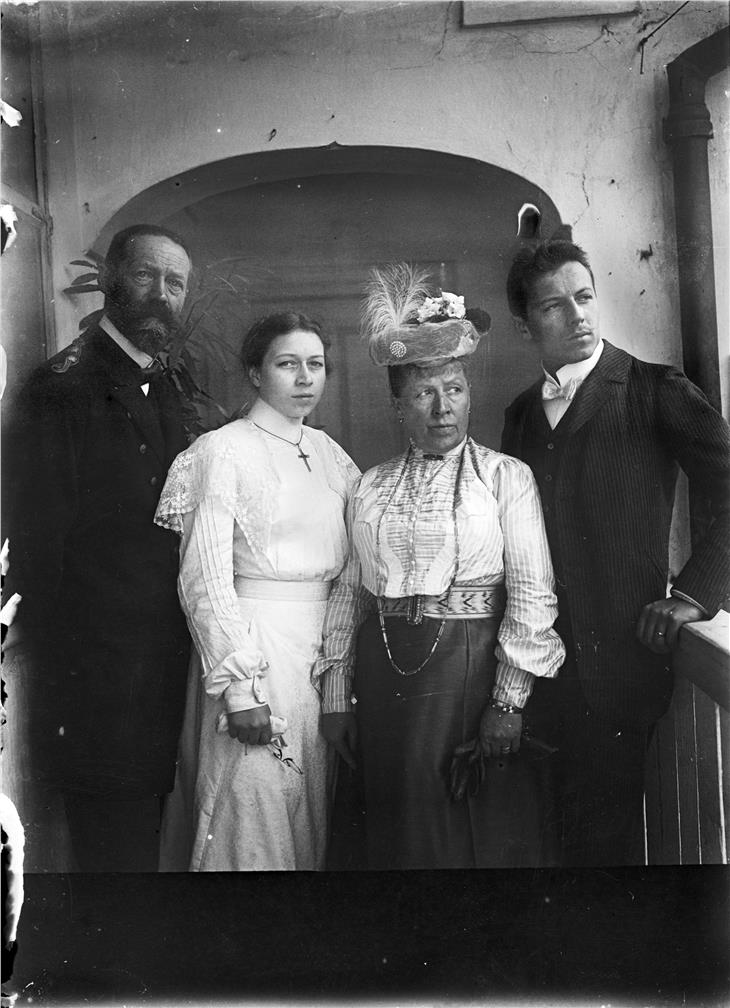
504	708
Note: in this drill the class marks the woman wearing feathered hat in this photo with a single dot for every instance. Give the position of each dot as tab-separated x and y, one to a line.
443	614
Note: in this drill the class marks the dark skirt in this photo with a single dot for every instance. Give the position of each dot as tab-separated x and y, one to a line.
409	727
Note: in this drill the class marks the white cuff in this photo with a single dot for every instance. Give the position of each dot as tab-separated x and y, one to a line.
244	694
686	598
337	690
512	685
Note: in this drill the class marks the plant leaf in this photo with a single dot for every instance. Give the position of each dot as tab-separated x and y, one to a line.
86	278
82	288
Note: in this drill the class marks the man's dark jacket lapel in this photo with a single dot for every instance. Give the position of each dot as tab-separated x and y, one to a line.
612	369
121	372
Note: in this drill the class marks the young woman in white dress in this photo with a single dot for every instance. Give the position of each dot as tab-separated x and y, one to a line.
259	505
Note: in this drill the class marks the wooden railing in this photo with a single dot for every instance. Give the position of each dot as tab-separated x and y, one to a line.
688	773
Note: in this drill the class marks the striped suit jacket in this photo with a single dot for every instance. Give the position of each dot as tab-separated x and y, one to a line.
627	432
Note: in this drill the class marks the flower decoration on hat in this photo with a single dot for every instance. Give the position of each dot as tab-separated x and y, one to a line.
405	324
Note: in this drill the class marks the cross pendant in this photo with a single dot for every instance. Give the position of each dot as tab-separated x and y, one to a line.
303	456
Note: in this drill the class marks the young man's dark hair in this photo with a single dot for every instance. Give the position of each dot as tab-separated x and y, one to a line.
531	263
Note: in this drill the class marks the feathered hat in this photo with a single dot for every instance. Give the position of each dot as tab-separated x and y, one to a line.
405	325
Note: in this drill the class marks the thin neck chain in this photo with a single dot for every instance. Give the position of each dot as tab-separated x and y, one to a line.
294	444
381	618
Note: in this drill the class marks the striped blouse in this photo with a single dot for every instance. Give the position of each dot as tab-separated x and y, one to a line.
404	541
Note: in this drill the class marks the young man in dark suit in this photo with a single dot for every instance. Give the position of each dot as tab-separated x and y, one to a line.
99	426
605	435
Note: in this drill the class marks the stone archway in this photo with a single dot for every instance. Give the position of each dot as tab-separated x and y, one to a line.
301	229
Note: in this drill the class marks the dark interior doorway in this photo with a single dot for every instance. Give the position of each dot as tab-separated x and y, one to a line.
306	240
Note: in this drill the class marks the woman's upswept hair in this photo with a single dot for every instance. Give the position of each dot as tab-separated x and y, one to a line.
533	262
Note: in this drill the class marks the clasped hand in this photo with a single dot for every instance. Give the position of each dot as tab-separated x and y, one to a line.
252	727
499	732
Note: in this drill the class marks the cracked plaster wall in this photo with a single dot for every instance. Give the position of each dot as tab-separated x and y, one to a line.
135	93
717	95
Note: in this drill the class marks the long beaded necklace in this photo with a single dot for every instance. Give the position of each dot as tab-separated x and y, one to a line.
418	615
295	444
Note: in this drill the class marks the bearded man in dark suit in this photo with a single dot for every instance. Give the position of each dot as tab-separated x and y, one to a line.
99	426
605	435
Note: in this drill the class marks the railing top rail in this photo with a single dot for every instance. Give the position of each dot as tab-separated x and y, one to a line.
703	656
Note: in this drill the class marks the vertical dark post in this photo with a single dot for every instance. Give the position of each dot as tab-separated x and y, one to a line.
687	129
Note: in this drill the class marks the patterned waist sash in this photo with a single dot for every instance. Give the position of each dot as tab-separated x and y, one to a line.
461	602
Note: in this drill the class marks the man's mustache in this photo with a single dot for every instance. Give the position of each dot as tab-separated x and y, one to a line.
137	311
151	309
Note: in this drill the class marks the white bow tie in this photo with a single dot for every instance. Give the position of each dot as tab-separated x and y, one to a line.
552	391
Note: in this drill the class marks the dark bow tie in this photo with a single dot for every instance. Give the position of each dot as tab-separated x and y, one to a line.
153	370
433	458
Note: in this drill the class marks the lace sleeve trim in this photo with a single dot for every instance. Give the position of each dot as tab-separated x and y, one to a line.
233	465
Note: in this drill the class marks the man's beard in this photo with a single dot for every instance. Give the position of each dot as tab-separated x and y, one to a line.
150	325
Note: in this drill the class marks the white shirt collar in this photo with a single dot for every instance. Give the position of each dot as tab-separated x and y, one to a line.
137	355
578	371
266	417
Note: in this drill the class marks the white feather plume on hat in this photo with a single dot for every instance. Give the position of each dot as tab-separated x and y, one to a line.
389	320
393	296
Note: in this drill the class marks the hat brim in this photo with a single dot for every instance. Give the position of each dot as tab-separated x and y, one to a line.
425	344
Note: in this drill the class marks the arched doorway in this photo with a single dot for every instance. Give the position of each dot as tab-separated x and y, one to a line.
301	229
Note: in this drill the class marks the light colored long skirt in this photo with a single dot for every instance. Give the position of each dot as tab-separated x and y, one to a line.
237	807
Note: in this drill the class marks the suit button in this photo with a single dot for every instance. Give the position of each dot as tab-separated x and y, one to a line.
548	478
142	449
551	446
153	481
